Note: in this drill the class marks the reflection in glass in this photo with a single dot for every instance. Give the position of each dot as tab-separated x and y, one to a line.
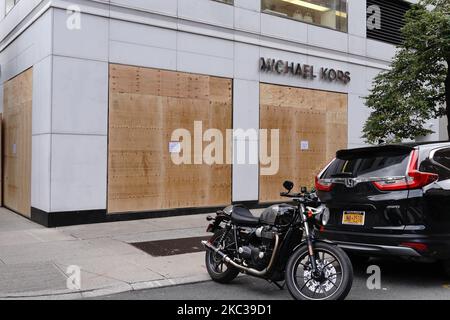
327	13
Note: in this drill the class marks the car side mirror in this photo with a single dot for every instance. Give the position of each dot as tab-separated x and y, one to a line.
288	185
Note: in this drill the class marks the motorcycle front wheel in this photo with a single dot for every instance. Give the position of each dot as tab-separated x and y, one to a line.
332	281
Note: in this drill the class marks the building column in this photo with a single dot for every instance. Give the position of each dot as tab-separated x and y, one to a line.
79	121
246	117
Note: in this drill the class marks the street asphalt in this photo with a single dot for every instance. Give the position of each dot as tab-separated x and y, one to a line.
399	280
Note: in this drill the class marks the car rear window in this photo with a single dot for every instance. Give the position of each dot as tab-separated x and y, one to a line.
369	166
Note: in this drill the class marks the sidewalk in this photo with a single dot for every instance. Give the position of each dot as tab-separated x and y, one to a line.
34	259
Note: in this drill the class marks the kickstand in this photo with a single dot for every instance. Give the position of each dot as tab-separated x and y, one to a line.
281	287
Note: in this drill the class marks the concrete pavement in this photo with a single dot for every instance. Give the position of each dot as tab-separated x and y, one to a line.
399	280
34	260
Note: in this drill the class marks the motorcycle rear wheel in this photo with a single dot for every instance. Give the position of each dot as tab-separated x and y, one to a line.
218	270
334	281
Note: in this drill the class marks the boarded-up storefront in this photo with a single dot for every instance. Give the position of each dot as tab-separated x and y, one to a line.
17	105
313	126
146	106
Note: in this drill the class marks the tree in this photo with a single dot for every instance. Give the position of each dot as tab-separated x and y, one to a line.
417	87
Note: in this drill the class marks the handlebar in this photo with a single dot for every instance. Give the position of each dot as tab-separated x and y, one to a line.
291	195
306	197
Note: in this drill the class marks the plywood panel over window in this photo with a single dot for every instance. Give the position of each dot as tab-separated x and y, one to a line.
318	118
146	106
17	142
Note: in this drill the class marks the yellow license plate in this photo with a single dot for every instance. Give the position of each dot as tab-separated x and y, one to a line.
354	218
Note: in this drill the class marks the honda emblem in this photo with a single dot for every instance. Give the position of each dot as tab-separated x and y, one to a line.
350	183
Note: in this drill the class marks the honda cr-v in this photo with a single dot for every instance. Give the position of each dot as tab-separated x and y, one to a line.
389	200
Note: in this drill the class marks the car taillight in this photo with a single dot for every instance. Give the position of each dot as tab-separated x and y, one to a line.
414	178
323	185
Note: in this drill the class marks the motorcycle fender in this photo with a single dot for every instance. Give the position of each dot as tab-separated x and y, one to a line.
303	243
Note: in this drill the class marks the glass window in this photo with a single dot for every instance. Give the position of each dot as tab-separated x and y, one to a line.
369	166
440	164
443	157
226	1
326	13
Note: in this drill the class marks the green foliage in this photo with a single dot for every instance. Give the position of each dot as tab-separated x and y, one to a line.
405	97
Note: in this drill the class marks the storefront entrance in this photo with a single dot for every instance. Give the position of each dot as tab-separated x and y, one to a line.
313	126
146	106
18	95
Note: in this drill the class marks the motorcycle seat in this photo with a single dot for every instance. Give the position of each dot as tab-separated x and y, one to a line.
243	217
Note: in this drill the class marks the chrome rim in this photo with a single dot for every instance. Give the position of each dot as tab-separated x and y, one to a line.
325	283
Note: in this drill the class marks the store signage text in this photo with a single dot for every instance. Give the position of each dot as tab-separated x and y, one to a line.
305	71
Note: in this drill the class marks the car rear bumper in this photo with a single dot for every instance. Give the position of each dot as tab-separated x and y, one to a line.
371	249
374	244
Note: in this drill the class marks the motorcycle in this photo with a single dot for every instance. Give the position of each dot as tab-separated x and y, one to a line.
280	245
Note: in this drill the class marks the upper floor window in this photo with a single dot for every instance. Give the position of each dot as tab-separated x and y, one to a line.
326	13
9	4
226	1
385	19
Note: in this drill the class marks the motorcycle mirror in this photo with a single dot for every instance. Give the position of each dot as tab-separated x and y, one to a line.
288	185
304	190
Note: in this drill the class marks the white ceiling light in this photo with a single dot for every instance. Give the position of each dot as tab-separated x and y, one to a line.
308	5
315	7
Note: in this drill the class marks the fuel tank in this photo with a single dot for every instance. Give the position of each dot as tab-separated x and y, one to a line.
278	215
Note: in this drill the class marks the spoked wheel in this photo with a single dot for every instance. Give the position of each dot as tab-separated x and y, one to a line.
332	281
217	268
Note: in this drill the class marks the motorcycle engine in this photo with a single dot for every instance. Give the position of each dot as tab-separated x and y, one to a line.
259	248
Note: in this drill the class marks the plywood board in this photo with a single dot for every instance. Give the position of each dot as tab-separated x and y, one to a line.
1	159
146	106
18	94
318	117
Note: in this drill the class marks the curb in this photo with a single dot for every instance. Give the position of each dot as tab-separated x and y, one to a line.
106	291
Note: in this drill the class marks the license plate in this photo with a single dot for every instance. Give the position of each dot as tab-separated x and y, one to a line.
354	218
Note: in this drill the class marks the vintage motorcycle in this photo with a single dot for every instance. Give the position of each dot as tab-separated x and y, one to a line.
279	245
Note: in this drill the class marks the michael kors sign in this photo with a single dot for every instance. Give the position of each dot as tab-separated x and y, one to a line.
305	71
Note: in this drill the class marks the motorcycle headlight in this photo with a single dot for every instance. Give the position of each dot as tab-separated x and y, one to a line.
325	216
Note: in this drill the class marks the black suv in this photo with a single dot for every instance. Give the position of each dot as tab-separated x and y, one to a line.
389	200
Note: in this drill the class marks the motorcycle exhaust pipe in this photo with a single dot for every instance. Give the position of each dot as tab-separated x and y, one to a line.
252	271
